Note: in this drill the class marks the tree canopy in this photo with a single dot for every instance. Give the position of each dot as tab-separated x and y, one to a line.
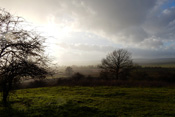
21	52
116	63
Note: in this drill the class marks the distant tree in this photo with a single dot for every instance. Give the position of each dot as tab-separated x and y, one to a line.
21	53
69	71
118	63
78	76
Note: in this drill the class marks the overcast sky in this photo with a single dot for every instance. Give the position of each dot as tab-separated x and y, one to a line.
85	31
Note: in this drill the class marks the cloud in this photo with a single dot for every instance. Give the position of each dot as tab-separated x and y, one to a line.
151	43
161	53
146	27
161	24
86	47
122	21
119	20
129	23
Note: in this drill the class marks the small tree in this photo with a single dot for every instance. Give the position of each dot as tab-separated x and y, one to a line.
69	71
118	63
21	53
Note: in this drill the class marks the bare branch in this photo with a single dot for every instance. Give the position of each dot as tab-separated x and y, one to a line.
21	52
117	62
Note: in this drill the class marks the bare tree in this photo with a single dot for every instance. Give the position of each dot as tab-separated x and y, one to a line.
21	53
69	71
118	63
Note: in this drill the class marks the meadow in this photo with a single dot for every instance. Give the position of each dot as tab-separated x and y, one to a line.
64	101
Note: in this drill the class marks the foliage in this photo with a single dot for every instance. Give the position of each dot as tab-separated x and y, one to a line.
78	76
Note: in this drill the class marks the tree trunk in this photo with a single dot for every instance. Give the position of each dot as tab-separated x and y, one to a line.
5	96
117	74
6	89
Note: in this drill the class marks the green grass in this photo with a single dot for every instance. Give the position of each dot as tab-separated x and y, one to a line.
91	102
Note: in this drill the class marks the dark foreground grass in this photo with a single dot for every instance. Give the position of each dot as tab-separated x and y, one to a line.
90	101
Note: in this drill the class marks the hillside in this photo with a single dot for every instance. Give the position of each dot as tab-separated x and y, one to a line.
155	61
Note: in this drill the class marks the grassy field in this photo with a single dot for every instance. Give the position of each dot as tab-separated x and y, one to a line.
91	101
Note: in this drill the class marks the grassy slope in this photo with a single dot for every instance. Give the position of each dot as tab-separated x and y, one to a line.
91	101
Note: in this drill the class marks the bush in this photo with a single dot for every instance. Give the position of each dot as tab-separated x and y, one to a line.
77	76
37	83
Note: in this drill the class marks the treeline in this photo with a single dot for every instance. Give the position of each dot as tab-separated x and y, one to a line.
138	77
117	69
153	74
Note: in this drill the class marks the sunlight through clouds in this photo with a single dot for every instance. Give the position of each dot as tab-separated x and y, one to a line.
144	27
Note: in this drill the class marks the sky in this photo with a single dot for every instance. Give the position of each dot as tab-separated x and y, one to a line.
82	32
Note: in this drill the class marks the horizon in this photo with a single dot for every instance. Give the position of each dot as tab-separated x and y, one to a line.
81	32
